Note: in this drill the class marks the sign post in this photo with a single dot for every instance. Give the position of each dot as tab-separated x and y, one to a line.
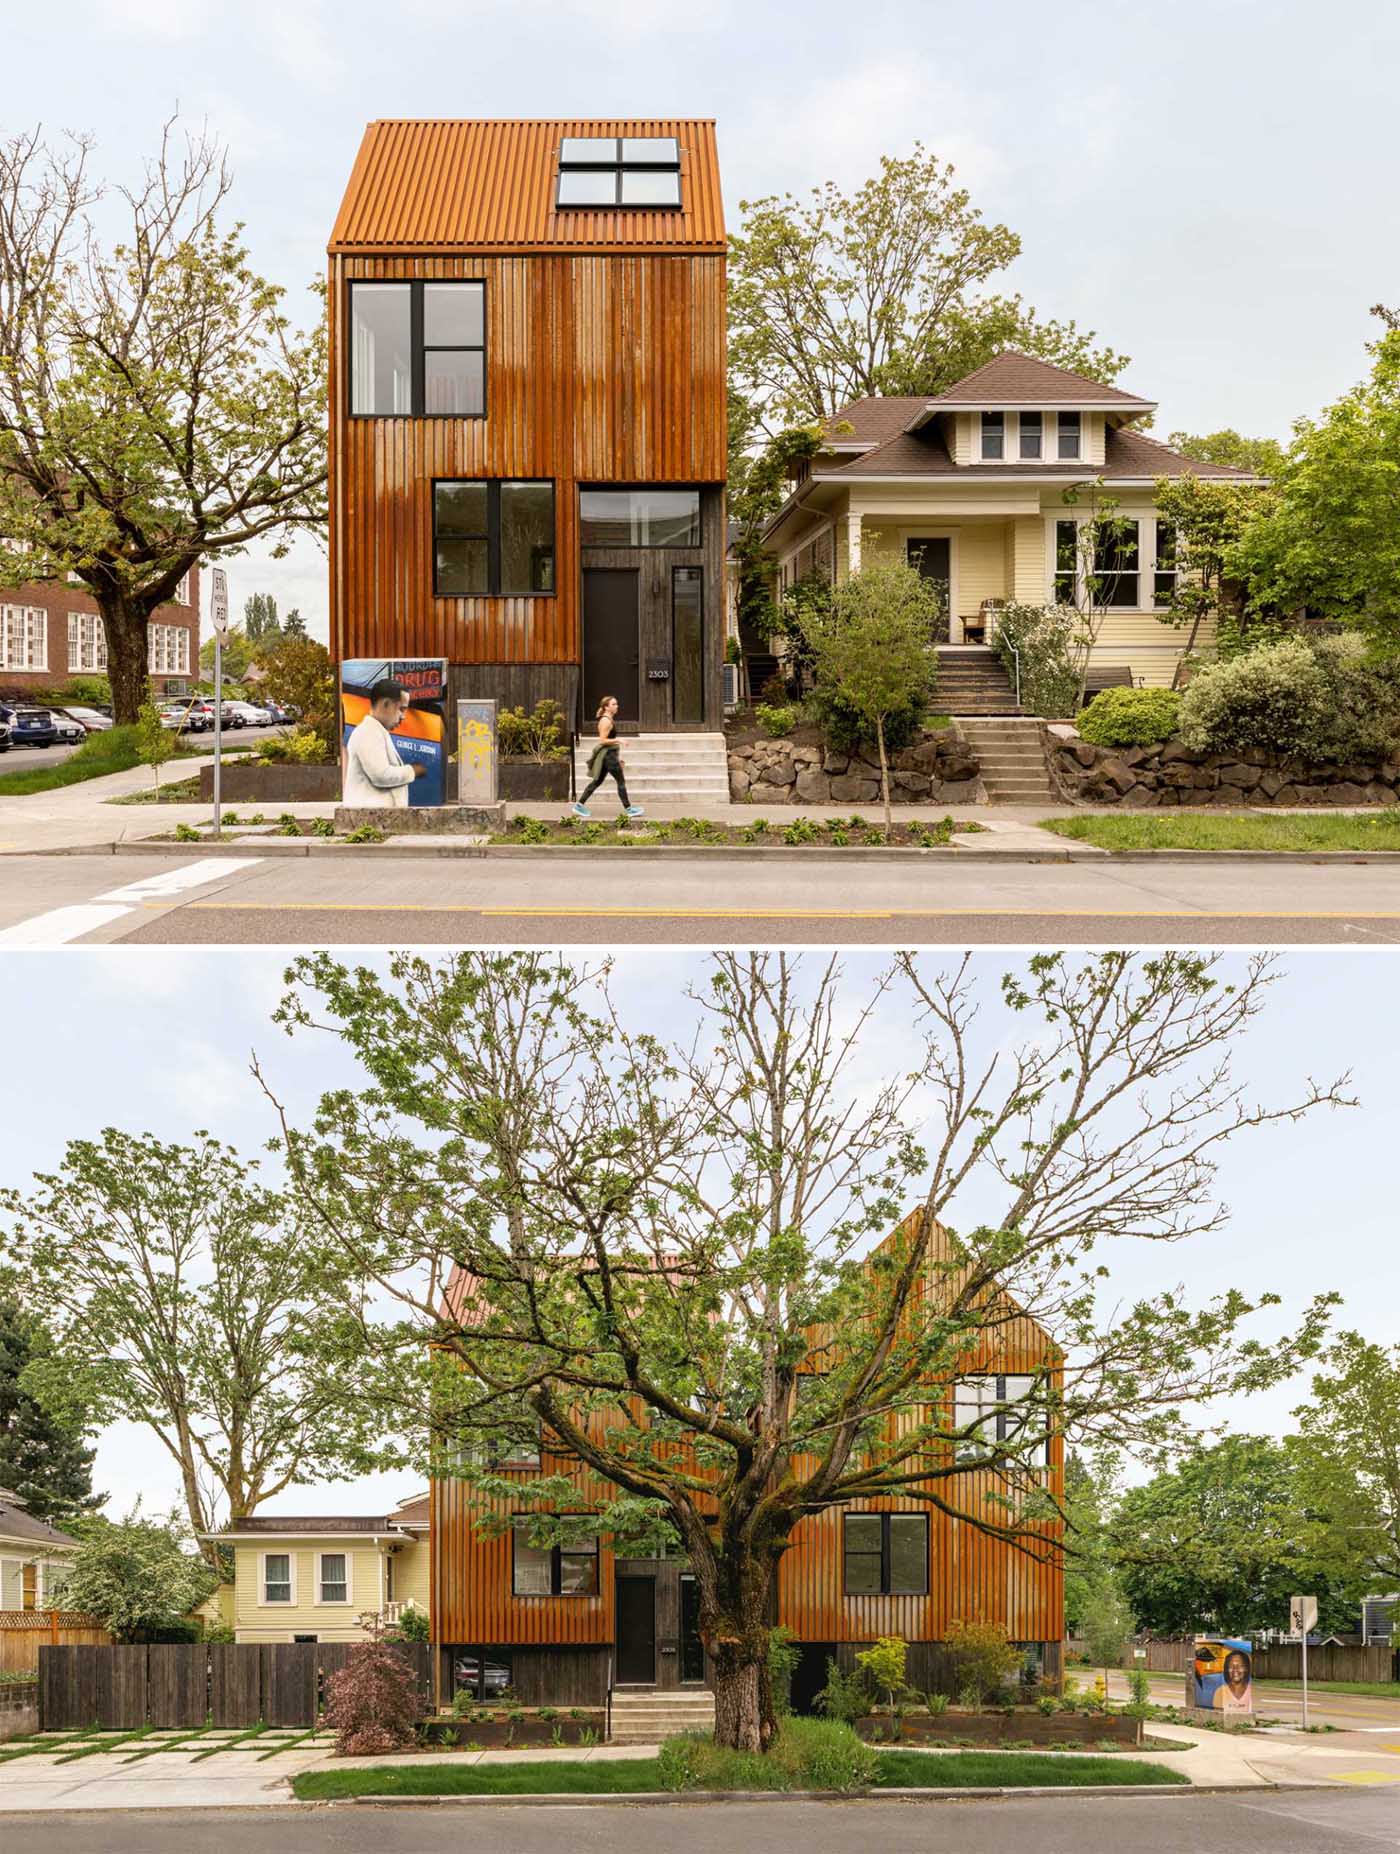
218	617
1302	1616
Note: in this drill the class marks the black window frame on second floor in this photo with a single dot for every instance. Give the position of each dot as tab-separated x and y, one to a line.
419	346
579	1551
489	535
885	1554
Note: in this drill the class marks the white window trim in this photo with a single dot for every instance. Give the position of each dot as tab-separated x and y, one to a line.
1009	423
12	1567
1083	452
168	640
33	629
322	1600
1044	421
276	1603
1147	562
86	628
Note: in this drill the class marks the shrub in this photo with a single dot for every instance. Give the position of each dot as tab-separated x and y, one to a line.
937	1704
412	1625
1130	717
776	721
806	1754
304	747
981	1657
783	1657
1320	701
538	735
885	1663
775	691
1139	1687
372	1702
846	731
1049	642
845	1697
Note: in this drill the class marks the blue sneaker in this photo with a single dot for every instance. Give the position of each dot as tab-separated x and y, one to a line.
581	811
632	811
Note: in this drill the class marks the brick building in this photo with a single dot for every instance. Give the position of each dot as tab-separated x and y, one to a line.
52	631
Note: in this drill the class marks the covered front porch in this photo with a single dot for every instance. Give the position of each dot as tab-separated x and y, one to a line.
978	559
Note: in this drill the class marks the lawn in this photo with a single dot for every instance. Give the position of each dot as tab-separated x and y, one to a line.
629	1776
1264	830
113	750
1369	1689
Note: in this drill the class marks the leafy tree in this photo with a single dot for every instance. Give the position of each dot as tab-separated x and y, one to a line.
1208	519
1331	540
1090	1491
874	292
156	407
299	672
1107	1623
260	620
633	1249
872	647
1347	1454
155	743
238	654
294	625
45	1460
1264	456
1221	1540
137	1576
180	1295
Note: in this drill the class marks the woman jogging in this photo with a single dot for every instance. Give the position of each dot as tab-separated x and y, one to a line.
605	759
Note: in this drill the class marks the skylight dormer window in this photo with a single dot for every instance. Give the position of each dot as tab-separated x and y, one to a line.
619	170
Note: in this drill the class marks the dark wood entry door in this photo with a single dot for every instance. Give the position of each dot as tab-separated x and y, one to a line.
692	1655
636	1630
611	641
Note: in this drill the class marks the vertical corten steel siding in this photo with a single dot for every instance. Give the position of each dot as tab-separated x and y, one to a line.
599	369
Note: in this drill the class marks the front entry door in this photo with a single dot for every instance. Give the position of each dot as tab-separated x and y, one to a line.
636	1631
934	559
611	642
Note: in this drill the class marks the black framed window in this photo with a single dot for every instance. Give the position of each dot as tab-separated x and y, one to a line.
552	1570
993	436
481	1673
418	349
1066	563
1116	564
639	517
886	1554
1166	566
612	170
1031	434
986	1416
492	537
1069	434
687	643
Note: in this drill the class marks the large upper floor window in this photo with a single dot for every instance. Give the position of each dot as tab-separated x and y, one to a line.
626	170
552	1570
493	537
639	517
1100	568
886	1554
993	1415
418	349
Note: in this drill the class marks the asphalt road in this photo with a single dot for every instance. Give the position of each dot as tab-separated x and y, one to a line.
1271	1823
574	897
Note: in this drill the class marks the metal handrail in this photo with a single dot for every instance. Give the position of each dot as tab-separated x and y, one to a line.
607	1710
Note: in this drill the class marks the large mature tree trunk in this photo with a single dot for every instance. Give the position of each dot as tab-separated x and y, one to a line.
736	1633
125	624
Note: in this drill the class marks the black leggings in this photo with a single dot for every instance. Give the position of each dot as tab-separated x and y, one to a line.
610	763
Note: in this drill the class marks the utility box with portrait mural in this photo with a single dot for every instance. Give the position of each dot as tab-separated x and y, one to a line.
421	737
1220	1680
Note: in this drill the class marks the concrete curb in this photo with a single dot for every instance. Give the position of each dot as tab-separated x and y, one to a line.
653	1798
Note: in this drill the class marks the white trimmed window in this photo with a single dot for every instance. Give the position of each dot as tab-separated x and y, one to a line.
1030	436
1069	434
985	1417
24	637
11	1583
169	650
182	591
87	641
993	437
275	1577
1116	570
53	1581
1166	566
333	1577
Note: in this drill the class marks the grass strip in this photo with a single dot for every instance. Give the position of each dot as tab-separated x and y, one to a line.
290	1744
1256	831
228	1744
97	1747
631	1776
113	750
1370	1689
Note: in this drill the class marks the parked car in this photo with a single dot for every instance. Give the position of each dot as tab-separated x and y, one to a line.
92	720
280	716
246	714
4	737
71	732
29	727
185	716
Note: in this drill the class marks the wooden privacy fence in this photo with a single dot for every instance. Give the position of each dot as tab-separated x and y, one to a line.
24	1631
1278	1661
189	1684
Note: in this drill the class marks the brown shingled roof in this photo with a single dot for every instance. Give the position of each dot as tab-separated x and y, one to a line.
1012	378
490	186
16	1523
923	452
1133	453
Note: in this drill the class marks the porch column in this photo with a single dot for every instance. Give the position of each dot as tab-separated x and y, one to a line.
852	543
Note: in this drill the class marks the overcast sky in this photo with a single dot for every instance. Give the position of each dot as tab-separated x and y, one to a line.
1212	185
159	1041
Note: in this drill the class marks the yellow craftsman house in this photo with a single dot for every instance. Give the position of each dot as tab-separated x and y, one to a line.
319	1579
35	1558
970	486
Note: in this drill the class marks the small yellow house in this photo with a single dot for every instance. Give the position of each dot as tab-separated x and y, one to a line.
317	1579
35	1558
970	486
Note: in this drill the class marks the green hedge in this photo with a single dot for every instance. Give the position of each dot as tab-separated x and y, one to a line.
1324	700
1130	717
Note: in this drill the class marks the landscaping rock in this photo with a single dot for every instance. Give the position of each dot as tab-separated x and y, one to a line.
1137	777
938	767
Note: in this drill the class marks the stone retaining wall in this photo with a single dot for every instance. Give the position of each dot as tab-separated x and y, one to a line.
939	769
19	1708
1170	774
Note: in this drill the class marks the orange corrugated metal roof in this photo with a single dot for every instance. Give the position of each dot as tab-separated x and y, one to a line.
490	186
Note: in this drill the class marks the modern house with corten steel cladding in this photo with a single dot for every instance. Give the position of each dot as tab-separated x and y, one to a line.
527	412
557	1625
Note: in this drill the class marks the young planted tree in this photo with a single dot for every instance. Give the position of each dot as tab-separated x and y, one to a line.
155	743
1205	521
871	644
180	1296
157	409
876	292
572	1236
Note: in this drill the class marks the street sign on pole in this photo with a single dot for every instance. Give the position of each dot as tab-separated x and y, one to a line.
218	617
1302	1616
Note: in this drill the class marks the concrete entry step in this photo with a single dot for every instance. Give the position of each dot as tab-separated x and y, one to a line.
666	768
